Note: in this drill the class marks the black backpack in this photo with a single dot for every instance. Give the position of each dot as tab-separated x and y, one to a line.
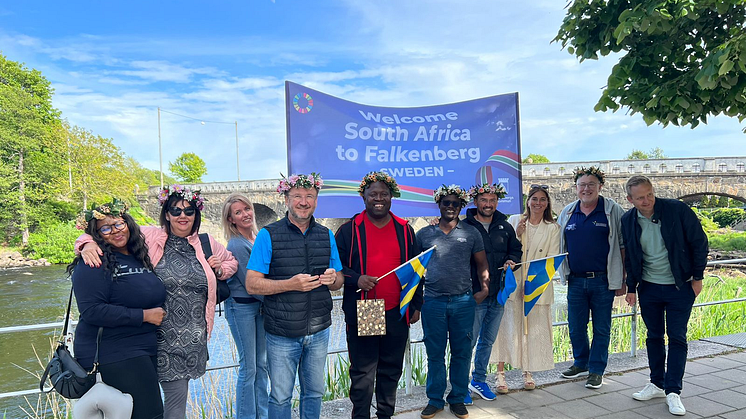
223	291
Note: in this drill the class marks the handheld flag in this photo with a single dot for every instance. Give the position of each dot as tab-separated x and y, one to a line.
510	286
410	274
538	277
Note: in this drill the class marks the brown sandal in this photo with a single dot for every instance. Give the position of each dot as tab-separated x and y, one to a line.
502	386
528	381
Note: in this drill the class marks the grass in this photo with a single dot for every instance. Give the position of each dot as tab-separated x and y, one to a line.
728	241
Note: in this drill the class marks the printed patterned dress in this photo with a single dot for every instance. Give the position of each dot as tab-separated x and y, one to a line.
182	336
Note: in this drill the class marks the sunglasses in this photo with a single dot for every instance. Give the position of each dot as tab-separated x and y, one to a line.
545	187
176	211
108	229
454	204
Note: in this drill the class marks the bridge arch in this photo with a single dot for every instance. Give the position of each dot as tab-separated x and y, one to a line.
698	195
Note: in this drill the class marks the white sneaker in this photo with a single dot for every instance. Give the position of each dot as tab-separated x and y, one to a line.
650	391
675	407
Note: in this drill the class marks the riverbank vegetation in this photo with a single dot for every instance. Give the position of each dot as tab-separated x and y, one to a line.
50	169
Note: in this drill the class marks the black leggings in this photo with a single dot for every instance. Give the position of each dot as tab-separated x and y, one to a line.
138	378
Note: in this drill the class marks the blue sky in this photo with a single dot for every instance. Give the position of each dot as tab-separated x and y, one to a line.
113	63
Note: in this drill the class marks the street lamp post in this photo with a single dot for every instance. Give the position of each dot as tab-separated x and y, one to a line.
160	152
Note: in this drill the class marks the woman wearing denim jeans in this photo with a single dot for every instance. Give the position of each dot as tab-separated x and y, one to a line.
243	312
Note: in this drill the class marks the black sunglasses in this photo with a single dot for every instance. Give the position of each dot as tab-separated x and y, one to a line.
454	204
545	187
176	211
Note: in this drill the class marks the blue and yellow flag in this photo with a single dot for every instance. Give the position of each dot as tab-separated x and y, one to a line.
540	273
510	286
410	274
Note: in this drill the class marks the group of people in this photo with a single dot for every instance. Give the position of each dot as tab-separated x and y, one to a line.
154	291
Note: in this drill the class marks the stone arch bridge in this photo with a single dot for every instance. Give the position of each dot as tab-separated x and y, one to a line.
710	177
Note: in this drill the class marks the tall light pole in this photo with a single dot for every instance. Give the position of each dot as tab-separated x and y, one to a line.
238	170
202	121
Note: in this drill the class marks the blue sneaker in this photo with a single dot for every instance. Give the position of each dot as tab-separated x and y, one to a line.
482	389
468	401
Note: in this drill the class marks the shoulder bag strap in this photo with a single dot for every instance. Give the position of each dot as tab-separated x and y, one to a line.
95	358
67	315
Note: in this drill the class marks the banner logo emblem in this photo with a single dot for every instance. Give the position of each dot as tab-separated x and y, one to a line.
303	103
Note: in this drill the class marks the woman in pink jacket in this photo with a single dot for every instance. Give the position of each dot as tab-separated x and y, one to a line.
189	277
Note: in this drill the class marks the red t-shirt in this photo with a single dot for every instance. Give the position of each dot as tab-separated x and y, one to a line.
383	255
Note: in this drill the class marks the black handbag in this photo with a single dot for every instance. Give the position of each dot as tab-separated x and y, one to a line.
65	373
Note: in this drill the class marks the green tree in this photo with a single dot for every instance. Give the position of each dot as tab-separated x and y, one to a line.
188	167
29	149
98	168
637	155
681	60
657	153
536	158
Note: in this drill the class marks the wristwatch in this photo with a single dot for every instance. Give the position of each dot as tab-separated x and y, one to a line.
219	272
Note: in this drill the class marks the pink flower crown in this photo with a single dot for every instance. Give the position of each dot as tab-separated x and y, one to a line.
193	197
374	177
312	180
494	188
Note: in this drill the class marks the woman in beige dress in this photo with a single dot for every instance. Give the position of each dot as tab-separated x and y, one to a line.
528	345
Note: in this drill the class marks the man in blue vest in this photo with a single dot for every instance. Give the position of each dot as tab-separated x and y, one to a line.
295	263
666	255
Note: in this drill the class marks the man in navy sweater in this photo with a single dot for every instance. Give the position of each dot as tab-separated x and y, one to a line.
666	255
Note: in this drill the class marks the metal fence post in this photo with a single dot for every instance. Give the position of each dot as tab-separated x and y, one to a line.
408	366
633	335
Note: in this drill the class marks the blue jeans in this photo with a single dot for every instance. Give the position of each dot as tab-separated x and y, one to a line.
448	319
589	296
655	301
252	386
306	356
486	325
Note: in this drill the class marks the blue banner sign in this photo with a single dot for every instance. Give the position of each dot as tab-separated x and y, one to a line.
465	143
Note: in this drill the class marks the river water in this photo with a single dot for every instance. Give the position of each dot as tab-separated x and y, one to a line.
39	295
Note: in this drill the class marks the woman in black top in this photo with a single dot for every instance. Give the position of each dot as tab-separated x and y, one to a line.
123	296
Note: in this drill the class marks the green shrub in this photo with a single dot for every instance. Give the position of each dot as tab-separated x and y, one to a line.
707	224
728	241
726	217
54	242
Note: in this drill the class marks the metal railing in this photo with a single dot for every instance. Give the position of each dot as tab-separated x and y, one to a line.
407	354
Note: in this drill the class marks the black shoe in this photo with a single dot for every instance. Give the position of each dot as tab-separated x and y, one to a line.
594	381
429	411
574	372
459	410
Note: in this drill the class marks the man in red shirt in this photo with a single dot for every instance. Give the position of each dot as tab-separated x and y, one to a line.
371	244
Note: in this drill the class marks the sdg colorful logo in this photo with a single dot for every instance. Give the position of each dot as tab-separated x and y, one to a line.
303	103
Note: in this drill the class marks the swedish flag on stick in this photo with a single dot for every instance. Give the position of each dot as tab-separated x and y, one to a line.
410	274
538	276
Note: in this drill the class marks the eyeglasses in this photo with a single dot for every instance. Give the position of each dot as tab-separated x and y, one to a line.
454	204
176	211
589	185
535	186
109	228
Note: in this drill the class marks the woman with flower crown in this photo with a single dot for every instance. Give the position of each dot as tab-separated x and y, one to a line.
190	279
123	296
529	346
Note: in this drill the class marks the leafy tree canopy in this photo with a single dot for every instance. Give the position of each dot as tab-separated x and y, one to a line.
681	60
536	158
654	153
188	167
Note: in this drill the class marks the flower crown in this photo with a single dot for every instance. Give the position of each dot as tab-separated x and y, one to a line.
193	197
374	177
312	180
444	190
494	188
590	171
114	209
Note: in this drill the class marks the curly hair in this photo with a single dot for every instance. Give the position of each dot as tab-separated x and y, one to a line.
135	245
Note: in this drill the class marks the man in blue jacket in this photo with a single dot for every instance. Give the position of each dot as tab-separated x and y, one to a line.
666	255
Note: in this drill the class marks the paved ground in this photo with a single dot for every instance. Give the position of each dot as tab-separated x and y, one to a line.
714	387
